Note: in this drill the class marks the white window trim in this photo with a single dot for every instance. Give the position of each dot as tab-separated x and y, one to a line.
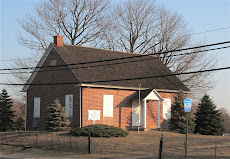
105	106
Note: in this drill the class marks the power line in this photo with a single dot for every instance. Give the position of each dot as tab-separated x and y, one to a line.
124	61
23	58
125	79
211	30
130	57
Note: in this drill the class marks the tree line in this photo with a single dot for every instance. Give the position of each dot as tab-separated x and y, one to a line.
206	119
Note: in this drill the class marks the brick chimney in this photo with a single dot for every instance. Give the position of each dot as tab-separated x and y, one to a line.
58	40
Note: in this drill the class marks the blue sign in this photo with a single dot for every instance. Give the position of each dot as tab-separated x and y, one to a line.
187	105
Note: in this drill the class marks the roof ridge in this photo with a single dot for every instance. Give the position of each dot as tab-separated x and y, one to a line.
108	50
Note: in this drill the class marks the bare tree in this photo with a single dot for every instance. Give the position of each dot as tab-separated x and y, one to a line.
133	26
144	27
80	21
200	83
147	28
225	116
21	76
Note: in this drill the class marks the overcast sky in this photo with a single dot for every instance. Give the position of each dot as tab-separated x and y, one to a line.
200	15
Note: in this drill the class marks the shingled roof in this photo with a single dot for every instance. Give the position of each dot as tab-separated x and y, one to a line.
125	72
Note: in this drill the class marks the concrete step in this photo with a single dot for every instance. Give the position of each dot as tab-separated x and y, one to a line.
135	128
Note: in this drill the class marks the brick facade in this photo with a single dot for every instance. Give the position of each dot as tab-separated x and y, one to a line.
92	99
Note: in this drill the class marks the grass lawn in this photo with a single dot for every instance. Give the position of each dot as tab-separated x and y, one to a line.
143	145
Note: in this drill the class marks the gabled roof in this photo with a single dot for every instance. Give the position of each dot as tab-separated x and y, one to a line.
108	73
144	94
127	72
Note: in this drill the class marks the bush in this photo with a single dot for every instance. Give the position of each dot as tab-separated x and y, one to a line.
99	130
57	119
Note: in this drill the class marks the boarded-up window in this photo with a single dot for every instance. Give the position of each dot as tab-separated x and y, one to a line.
69	105
108	106
35	122
37	107
167	108
53	62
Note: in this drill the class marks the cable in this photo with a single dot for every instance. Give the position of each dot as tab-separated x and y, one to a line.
123	61
23	58
24	68
210	31
125	79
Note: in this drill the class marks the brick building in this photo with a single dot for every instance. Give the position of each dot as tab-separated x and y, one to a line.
85	79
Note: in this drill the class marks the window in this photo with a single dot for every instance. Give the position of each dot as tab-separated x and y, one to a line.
53	62
108	105
167	108
69	105
37	107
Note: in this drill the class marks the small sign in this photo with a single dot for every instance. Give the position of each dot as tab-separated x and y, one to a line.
187	105
93	115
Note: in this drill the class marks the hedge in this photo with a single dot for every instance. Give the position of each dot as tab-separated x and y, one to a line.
99	130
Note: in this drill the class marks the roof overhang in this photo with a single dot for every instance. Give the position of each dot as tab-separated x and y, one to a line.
153	95
129	88
173	91
42	60
109	86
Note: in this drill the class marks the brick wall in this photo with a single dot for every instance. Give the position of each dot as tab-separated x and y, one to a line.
48	93
92	99
152	112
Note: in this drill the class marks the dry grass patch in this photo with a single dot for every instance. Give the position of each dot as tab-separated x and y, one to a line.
143	145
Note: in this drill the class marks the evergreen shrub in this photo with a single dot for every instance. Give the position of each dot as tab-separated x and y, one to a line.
208	118
6	113
177	122
99	130
57	119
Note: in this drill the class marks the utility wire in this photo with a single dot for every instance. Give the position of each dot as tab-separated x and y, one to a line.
124	79
211	30
107	60
23	58
121	62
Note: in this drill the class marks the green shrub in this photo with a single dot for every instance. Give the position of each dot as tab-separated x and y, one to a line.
99	130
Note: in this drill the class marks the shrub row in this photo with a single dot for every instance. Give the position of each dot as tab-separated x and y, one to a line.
99	130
